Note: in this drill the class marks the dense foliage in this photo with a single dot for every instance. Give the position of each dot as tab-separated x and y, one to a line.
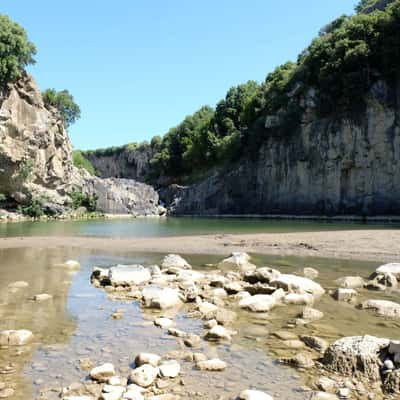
80	161
16	51
332	75
80	199
64	103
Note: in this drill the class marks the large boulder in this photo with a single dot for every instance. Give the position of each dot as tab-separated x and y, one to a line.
357	356
129	275
383	308
258	303
161	298
393	268
297	284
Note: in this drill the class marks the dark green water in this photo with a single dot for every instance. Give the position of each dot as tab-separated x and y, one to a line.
153	227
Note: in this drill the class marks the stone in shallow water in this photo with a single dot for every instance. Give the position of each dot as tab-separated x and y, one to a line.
72	264
218	332
174	261
310	273
42	297
297	284
78	398
258	303
254	395
238	260
169	369
18	285
393	268
214	364
103	372
357	356
15	338
161	298
163	322
112	392
144	375
350	282
147	358
346	295
129	275
383	308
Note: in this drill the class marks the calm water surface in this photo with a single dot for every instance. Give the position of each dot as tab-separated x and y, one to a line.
77	325
150	227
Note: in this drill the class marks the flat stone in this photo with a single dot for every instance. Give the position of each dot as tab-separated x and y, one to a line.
42	297
347	295
350	282
214	364
161	298
169	369
258	303
297	284
18	285
163	322
129	275
218	332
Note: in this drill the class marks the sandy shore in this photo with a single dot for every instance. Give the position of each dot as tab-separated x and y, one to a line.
368	245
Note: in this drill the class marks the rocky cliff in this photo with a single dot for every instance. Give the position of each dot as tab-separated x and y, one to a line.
125	162
35	150
335	165
36	160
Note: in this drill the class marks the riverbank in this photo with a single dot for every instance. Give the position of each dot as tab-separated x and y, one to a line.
363	245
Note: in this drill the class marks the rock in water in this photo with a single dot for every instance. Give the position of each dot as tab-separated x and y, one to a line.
258	303
147	358
144	375
161	298
15	337
393	268
357	356
238	261
383	308
297	284
212	365
103	372
174	261
129	275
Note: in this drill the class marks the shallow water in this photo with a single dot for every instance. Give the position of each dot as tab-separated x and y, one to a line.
153	227
76	324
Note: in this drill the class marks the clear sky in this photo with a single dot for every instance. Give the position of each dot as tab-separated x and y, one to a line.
137	68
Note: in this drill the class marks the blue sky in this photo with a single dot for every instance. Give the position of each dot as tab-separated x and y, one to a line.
137	68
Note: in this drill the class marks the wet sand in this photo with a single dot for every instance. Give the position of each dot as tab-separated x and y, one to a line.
365	245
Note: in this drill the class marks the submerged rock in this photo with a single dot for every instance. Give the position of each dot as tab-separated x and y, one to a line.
346	295
169	369
310	273
15	337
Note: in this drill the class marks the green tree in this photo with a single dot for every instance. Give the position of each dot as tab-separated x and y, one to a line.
16	51
80	161
64	103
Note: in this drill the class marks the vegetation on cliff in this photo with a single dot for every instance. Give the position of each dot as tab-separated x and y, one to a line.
333	74
16	51
80	161
64	103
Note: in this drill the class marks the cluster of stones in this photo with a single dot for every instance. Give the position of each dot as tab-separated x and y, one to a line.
239	283
149	379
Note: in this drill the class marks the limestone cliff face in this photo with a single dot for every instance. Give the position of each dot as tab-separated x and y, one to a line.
35	151
332	166
36	159
124	163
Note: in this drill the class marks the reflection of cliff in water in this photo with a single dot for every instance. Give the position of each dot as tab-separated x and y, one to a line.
48	320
